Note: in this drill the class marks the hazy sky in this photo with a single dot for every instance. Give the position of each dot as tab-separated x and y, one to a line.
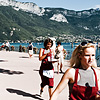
77	5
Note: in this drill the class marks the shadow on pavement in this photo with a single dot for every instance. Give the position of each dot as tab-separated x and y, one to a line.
19	92
36	70
23	57
3	61
5	71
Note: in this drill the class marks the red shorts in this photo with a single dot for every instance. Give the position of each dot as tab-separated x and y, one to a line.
46	80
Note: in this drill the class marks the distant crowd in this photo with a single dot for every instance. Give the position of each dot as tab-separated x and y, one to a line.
6	46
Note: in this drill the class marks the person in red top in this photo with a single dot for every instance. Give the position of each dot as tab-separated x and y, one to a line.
83	74
46	69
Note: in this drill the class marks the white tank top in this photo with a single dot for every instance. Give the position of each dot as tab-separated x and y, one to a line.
87	77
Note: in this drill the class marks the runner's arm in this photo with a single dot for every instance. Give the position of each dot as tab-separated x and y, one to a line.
63	83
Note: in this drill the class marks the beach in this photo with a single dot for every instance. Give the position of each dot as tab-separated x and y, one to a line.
20	78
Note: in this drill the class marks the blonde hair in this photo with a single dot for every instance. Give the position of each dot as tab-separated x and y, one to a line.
75	60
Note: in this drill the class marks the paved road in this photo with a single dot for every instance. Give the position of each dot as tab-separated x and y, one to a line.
19	78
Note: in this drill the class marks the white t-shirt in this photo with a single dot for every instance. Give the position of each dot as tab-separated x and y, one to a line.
60	48
7	44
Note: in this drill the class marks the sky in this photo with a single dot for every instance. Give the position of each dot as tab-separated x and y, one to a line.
76	5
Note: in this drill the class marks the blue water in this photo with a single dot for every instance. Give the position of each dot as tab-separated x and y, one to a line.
67	47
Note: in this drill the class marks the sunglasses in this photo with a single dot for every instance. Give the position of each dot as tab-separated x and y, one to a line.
84	43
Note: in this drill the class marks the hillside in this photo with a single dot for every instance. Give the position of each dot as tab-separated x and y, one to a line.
27	25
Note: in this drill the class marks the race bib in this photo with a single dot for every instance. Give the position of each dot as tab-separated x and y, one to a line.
48	73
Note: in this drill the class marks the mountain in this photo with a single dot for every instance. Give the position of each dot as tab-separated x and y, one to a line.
26	21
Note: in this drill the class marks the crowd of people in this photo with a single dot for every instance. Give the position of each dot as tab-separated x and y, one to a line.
83	76
6	46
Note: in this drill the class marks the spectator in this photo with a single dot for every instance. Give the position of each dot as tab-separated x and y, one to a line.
60	51
30	49
7	46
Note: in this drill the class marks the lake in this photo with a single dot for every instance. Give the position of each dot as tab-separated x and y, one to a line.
67	47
